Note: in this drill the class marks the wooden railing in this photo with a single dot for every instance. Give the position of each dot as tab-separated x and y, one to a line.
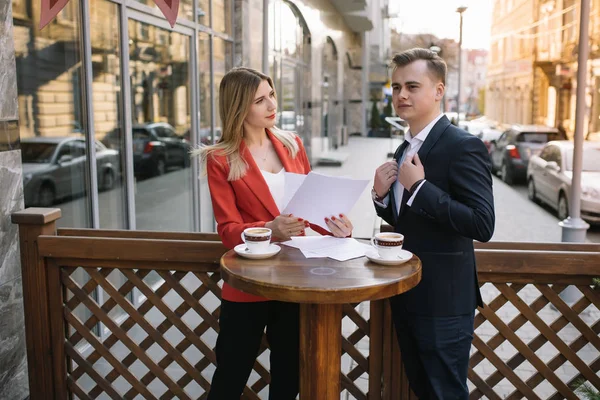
142	338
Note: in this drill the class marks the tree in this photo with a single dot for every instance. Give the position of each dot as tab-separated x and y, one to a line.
375	117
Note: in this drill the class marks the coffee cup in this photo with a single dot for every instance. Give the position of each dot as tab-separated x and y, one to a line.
388	244
257	239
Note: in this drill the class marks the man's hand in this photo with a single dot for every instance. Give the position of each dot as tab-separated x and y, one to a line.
411	171
385	176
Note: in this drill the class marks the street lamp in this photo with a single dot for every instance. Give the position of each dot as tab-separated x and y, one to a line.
460	11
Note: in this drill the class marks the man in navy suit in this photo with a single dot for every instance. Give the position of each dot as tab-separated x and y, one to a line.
438	193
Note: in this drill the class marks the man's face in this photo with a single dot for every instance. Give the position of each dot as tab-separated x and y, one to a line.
416	93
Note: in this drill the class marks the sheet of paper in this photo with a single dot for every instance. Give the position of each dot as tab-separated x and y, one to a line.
321	196
340	249
291	186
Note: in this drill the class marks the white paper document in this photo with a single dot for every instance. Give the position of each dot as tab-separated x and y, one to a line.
315	196
340	249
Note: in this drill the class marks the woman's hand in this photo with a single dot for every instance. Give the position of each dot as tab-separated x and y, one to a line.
339	226
286	226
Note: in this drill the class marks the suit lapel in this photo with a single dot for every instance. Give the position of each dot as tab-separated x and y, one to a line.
256	182
433	137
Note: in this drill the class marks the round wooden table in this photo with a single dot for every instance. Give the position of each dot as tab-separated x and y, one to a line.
321	286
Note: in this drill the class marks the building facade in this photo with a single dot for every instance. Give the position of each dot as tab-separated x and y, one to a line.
99	109
473	77
532	75
510	68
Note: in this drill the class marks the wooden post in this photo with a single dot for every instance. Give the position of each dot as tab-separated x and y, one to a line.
320	351
376	354
34	222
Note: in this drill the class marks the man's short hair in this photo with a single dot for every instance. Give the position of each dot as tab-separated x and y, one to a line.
435	64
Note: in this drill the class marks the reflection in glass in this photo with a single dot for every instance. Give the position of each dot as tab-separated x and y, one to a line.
203	12
159	74
106	91
205	135
186	9
221	10
223	60
49	80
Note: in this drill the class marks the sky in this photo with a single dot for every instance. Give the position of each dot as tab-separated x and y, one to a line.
417	17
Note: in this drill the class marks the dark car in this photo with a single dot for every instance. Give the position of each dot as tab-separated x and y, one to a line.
511	152
156	147
54	168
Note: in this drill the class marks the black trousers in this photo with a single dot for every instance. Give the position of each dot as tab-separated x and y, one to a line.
241	329
435	352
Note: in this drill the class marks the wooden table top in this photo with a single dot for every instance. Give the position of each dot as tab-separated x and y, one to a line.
289	276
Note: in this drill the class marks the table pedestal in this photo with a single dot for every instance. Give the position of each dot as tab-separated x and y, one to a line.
320	351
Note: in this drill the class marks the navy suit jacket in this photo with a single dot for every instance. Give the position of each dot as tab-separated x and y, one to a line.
452	208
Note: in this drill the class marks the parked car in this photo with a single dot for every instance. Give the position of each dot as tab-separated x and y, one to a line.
510	153
487	135
156	147
54	168
549	178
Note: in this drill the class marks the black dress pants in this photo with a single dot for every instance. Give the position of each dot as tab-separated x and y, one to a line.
435	352
241	330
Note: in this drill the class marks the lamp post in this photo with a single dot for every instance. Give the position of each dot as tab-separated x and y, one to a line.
460	11
574	228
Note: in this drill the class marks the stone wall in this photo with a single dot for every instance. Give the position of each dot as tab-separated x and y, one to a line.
13	363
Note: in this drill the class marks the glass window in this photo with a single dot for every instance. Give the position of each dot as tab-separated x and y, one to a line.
160	82
551	153
205	135
221	10
186	9
106	90
51	110
203	12
223	60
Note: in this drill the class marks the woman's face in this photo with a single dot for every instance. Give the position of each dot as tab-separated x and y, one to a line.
263	108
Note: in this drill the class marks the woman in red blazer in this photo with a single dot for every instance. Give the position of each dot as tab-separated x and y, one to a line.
237	167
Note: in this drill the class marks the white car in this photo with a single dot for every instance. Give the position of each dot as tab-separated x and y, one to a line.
550	173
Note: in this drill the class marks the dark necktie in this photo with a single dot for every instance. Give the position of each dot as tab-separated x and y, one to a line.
398	156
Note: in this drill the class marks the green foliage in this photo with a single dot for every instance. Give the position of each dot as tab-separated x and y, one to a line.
585	389
375	118
387	110
596	283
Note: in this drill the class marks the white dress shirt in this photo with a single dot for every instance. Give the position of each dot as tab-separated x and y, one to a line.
414	144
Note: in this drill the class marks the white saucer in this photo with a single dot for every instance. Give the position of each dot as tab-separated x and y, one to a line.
271	251
374	256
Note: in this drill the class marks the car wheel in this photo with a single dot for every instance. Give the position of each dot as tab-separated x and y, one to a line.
108	182
505	174
161	167
531	191
563	207
47	195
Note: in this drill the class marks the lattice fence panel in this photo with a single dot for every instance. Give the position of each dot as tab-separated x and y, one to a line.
143	334
529	343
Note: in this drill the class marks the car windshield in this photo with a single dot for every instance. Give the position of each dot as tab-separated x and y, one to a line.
40	153
591	159
538	137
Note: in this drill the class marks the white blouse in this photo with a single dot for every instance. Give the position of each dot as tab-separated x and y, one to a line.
276	184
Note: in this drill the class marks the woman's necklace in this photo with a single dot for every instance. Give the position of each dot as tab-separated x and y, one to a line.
265	156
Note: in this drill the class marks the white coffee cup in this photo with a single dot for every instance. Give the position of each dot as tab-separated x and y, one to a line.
257	239
388	244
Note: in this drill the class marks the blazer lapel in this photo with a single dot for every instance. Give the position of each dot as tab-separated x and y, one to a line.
256	182
433	137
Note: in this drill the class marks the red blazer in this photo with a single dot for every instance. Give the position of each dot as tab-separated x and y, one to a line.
247	202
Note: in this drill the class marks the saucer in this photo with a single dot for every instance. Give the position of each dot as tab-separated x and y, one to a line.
271	251
374	256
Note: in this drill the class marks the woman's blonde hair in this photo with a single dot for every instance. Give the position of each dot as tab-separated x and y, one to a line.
236	94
